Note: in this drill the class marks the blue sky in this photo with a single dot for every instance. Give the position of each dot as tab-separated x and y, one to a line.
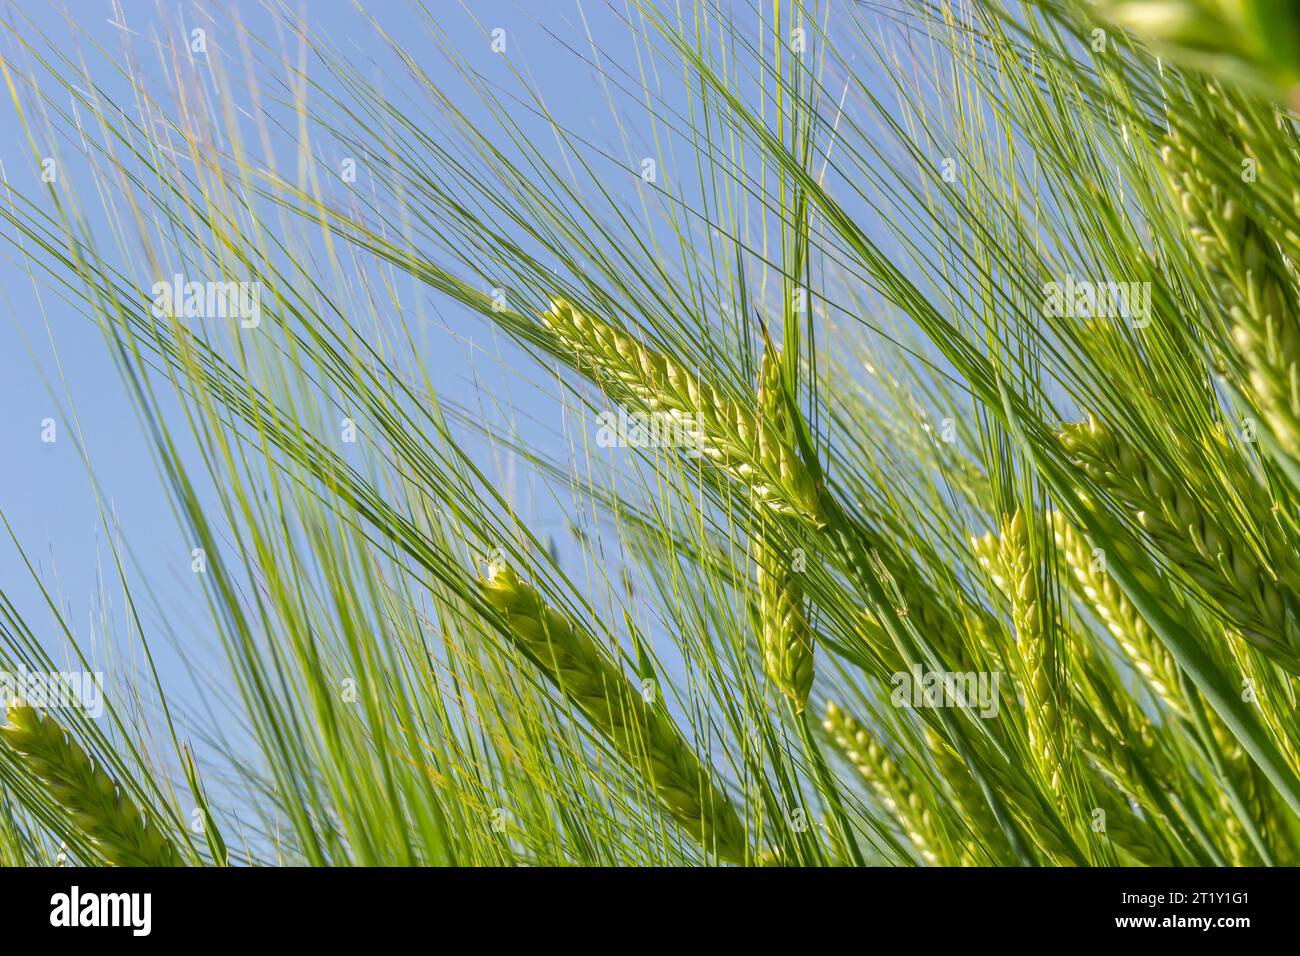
55	364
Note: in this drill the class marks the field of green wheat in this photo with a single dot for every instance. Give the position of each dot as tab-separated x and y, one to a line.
878	445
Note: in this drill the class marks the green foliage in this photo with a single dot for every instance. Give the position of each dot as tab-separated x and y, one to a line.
882	250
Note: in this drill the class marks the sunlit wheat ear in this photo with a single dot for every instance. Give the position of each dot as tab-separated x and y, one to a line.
645	736
1148	656
1251	596
785	637
888	780
1253	285
98	807
784	634
732	437
1117	748
1011	568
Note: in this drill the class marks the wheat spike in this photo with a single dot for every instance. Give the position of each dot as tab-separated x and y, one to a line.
100	808
1007	560
887	779
1118	747
785	638
732	437
1155	663
1149	657
1253	286
645	736
1258	605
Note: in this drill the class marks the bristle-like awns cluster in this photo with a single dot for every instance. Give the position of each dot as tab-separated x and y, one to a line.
96	805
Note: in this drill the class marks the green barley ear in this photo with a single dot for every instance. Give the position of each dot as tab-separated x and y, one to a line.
1007	560
1253	284
785	638
1148	656
1255	599
646	738
784	634
887	779
1255	42
730	436
95	803
1118	743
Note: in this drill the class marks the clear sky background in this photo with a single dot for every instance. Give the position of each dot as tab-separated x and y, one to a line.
56	366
